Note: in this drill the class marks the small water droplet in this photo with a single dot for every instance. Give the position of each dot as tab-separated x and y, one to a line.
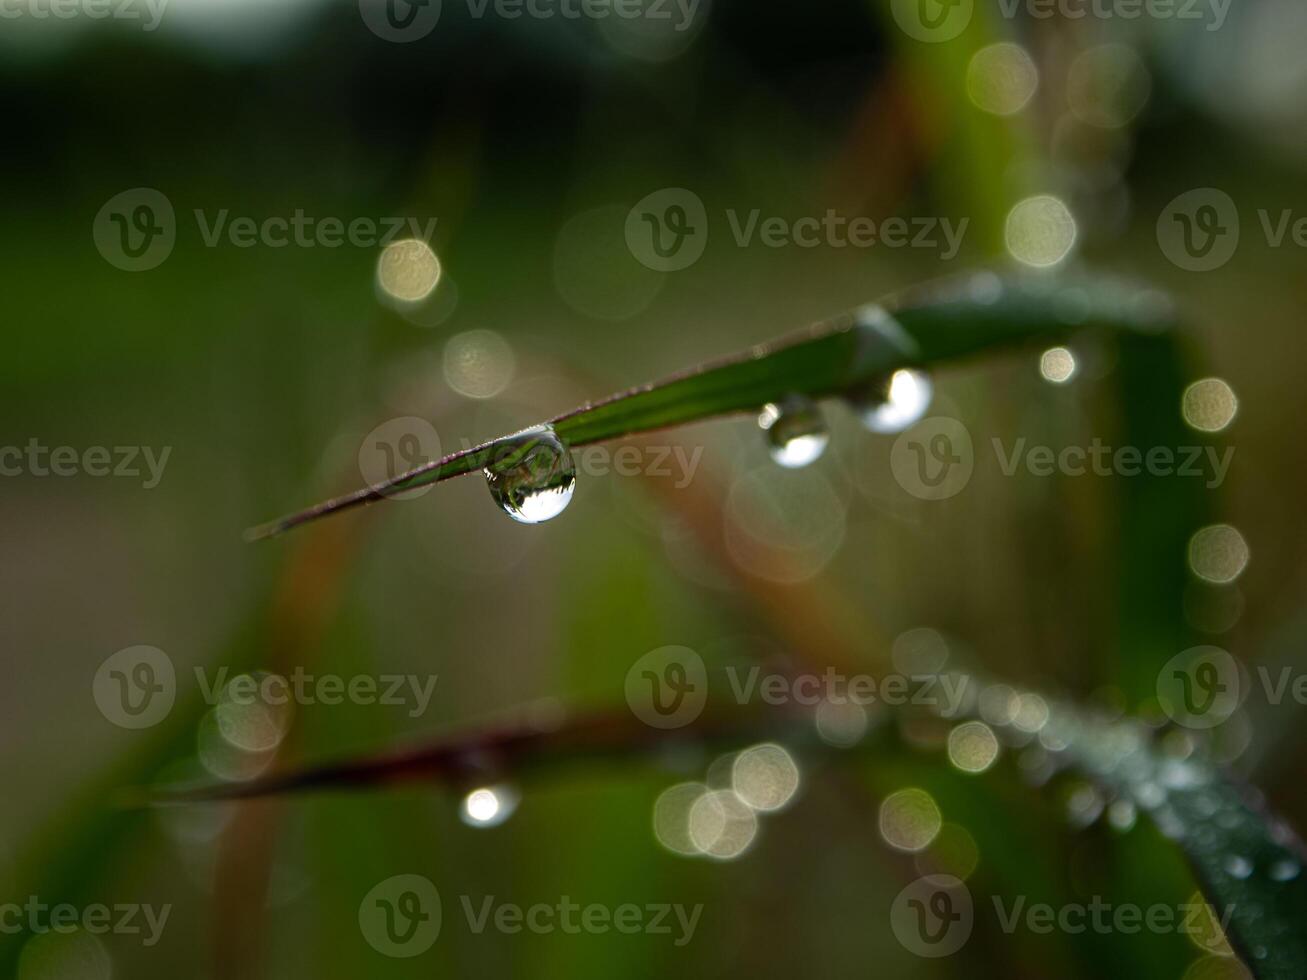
488	806
892	403
1284	870
796	433
532	476
1238	867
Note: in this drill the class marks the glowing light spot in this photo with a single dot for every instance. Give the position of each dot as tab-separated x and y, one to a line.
408	270
721	825
1058	365
1209	405
488	806
1040	231
841	725
765	777
920	650
999	704
1107	86
909	819
1032	713
671	817
953	852
1218	553
254	712
478	363
222	757
972	746
1002	78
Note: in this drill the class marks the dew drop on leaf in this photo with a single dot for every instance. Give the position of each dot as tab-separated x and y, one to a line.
795	431
1238	867
532	476
1284	870
892	403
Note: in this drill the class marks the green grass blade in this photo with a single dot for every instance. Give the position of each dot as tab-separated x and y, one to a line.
919	328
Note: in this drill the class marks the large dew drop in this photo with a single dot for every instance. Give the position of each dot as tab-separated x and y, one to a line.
892	403
796	433
532	475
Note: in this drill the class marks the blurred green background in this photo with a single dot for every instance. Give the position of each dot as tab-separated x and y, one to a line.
528	140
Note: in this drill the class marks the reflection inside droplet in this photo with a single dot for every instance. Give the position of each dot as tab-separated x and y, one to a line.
531	476
891	404
795	431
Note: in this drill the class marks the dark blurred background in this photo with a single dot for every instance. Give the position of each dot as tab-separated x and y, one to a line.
529	139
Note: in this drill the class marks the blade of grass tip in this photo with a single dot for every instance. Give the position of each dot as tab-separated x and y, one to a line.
920	327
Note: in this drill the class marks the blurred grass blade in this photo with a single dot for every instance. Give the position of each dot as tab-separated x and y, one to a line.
467	758
922	327
1250	864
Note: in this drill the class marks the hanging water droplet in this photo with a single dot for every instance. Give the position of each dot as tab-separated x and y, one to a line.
531	476
1238	867
1284	870
892	403
795	430
488	806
